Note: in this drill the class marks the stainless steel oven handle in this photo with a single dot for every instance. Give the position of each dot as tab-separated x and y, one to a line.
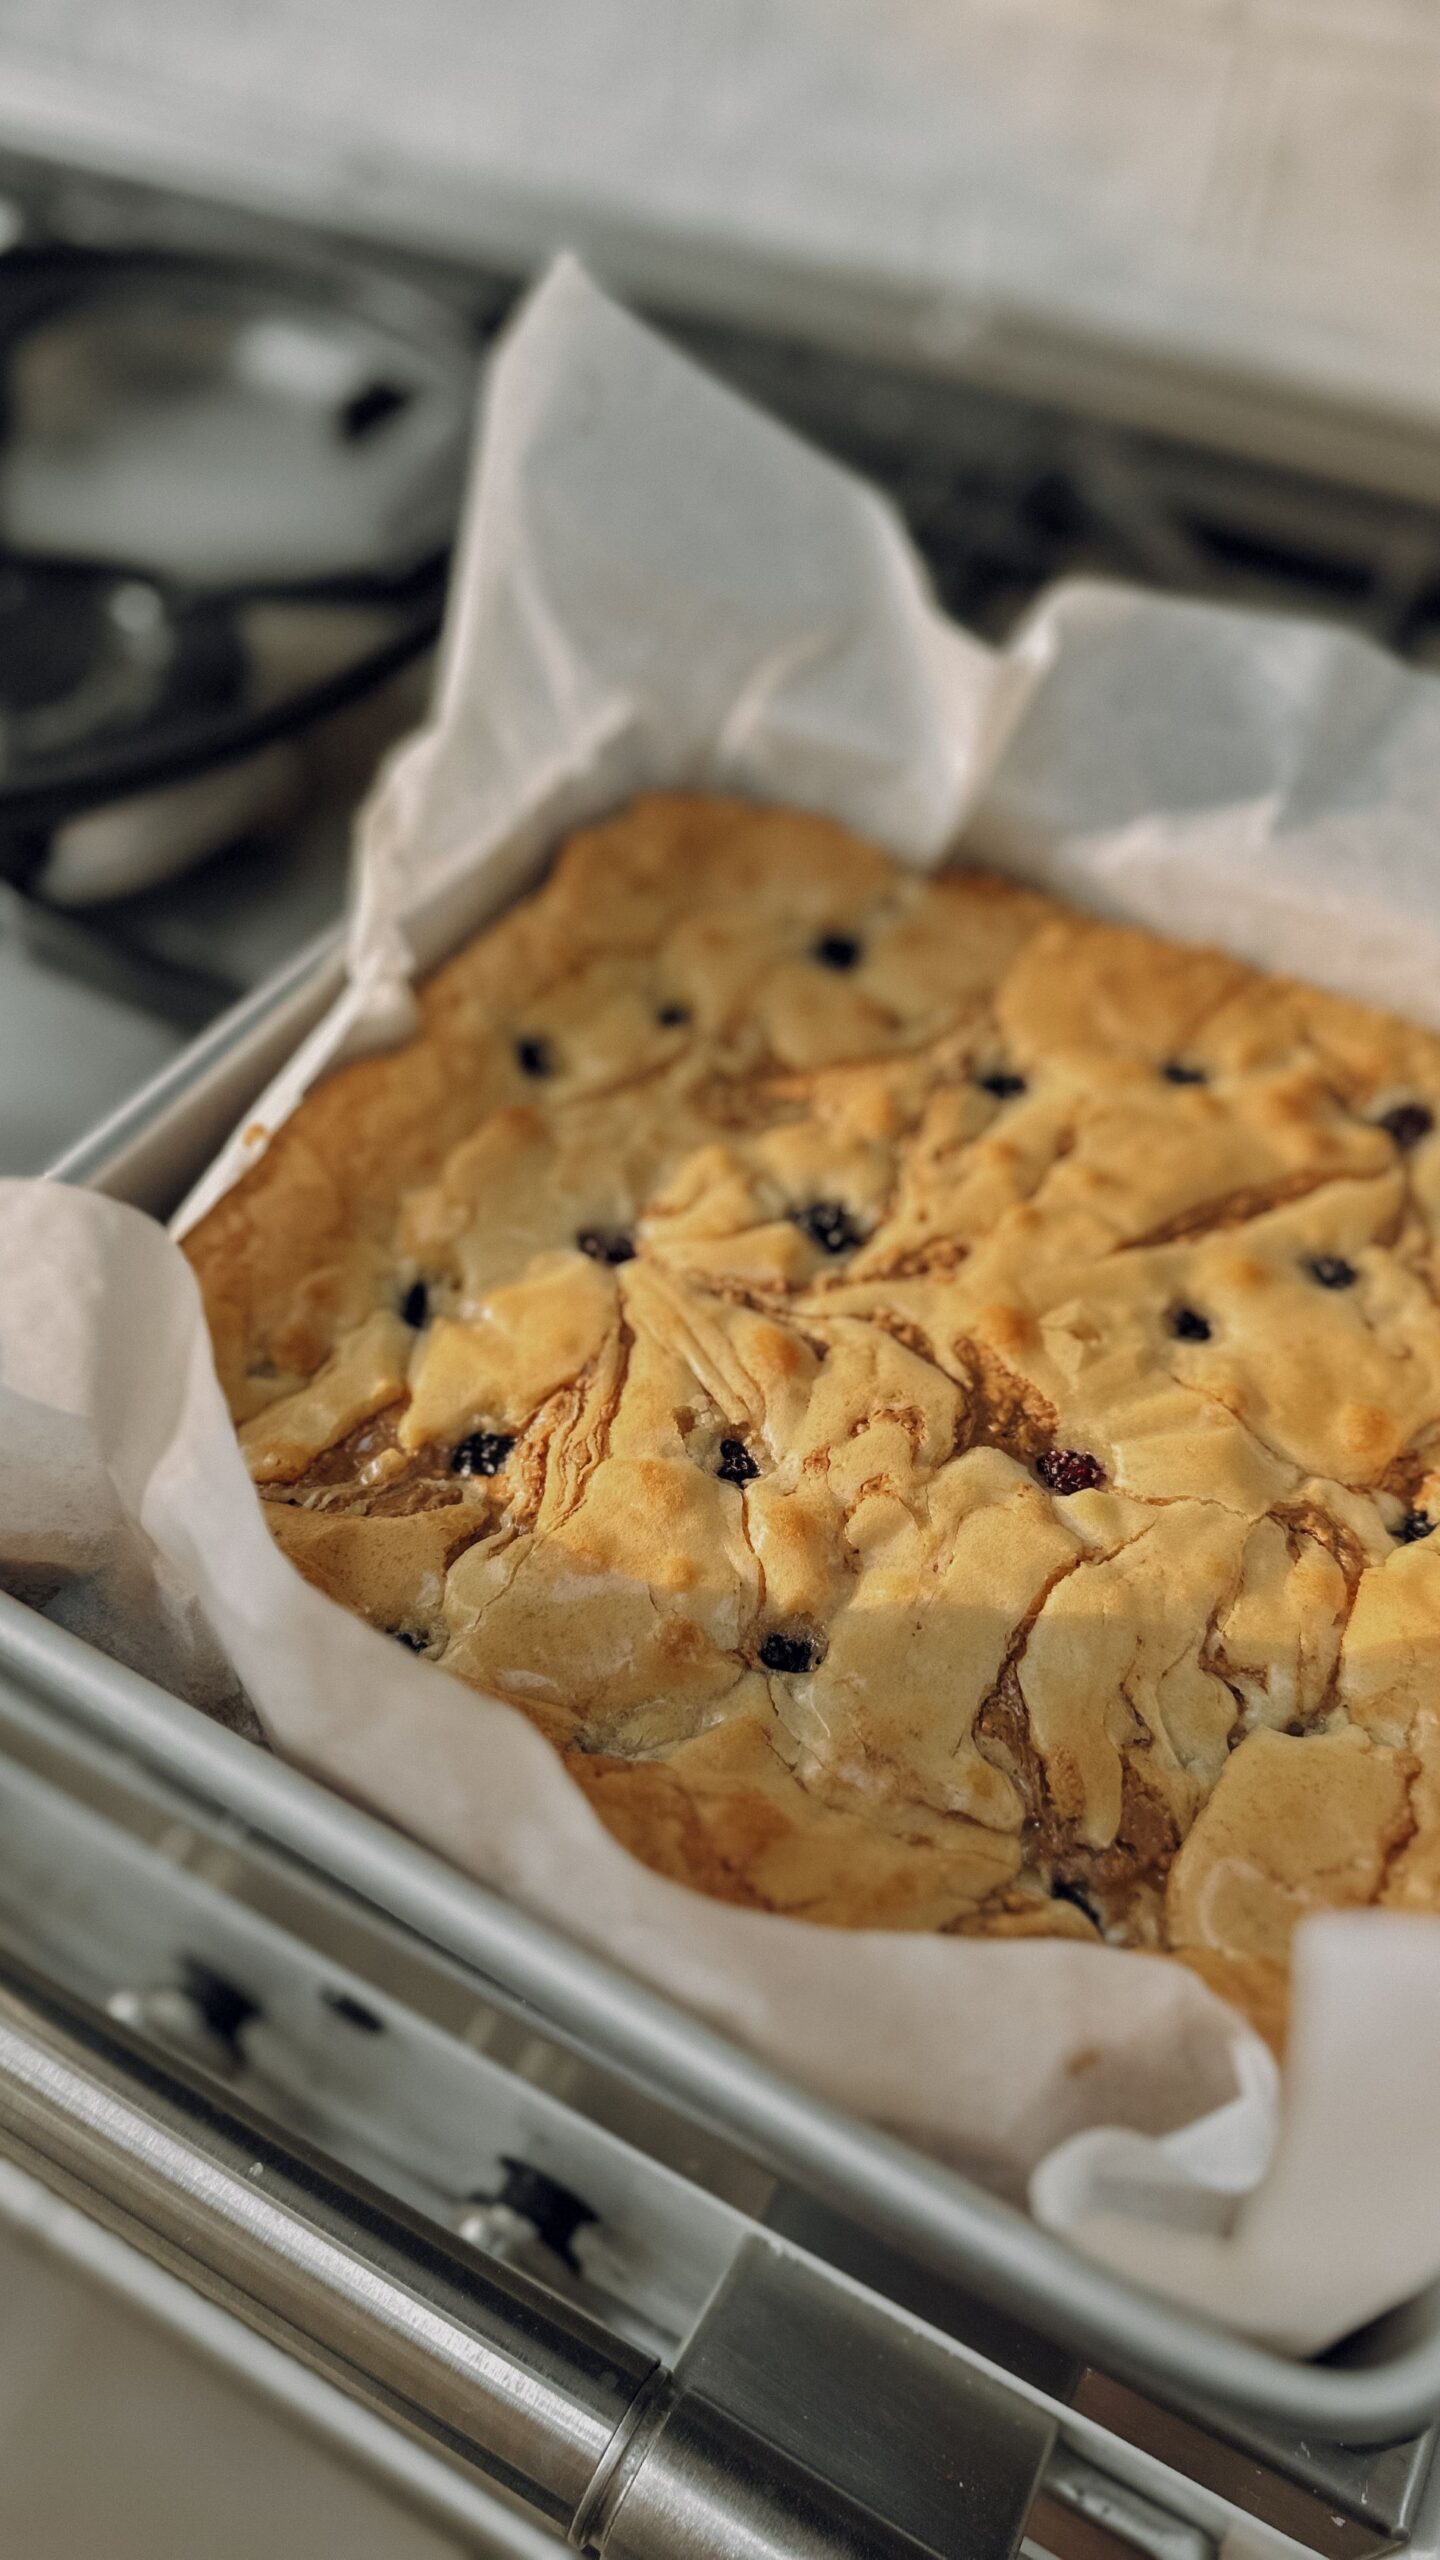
630	2462
474	2357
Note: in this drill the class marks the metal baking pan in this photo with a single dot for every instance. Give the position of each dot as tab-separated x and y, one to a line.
1375	2389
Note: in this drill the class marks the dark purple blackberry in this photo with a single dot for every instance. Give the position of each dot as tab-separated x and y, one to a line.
415	1305
1408	1123
1069	1471
606	1244
671	1016
789	1653
1003	1084
836	951
483	1454
535	1057
1332	1271
1188	1325
829	1224
1416	1524
1176	1071
1062	1890
736	1464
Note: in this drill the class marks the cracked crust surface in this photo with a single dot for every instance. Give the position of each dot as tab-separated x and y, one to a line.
929	1400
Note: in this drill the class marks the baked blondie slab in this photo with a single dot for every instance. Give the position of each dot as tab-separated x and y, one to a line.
930	1401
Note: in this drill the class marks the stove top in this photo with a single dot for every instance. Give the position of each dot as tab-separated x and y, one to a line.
1003	495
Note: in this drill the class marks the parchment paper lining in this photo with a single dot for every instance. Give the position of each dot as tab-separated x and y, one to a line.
656	585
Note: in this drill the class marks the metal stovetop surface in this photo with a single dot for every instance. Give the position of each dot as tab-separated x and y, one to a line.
1003	496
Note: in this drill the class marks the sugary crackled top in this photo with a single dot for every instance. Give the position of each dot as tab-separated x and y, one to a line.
930	1401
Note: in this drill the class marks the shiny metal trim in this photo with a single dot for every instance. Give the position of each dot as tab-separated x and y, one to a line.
490	2365
497	2372
417	2478
1120	2513
903	2427
695	2496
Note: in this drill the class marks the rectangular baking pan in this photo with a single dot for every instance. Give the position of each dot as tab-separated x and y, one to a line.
1377	2388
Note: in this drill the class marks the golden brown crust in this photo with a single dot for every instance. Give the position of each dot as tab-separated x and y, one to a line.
929	1400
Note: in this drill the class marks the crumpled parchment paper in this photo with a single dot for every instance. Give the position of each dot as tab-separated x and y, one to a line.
655	585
